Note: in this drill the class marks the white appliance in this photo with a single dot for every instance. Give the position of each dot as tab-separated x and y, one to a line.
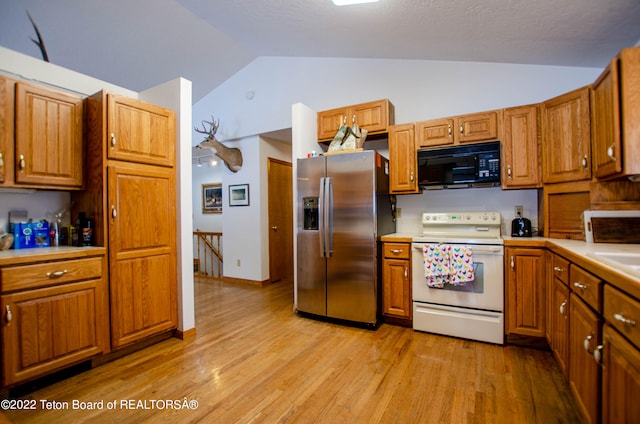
474	311
621	226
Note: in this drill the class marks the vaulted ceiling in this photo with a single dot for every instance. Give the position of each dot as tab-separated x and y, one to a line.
141	43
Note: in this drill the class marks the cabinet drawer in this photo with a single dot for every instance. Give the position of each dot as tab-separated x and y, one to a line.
560	268
49	273
623	313
396	250
587	286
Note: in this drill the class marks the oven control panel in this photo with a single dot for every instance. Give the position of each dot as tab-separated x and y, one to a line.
461	218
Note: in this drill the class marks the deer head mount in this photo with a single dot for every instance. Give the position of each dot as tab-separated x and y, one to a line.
231	156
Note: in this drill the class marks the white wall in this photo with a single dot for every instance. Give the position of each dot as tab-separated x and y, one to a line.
418	89
205	175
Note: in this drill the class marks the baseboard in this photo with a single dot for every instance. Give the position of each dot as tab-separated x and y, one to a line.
185	335
244	281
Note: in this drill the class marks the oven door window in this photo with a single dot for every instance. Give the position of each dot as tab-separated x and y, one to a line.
475	286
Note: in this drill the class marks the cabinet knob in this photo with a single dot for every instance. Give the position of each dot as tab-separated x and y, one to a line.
587	342
411	177
584	162
611	152
396	251
113	140
563	306
8	316
114	213
624	320
461	129
509	171
406	271
512	263
558	269
579	285
1	161
274	228
353	119
449	129
21	163
597	354
56	274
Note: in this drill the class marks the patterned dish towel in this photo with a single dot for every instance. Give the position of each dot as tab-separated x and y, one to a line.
437	264
461	263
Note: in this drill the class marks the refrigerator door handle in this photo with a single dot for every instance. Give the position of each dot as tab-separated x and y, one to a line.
321	218
329	217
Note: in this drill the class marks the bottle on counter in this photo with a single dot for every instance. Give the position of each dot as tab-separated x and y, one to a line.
85	230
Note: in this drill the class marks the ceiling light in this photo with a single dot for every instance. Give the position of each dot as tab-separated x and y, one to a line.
350	2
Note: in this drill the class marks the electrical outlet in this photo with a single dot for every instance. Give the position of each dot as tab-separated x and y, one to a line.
398	212
238	262
519	210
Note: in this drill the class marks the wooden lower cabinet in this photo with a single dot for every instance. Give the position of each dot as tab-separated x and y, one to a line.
620	379
525	277
584	372
48	327
559	321
142	257
396	281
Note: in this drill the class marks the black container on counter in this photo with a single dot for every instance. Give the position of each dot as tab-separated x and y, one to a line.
85	230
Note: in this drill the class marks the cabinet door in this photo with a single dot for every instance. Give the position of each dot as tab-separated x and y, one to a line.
329	121
402	160
47	329
520	148
566	138
6	129
584	371
48	131
477	127
396	296
560	325
140	132
525	275
605	123
142	251
620	379
436	132
373	116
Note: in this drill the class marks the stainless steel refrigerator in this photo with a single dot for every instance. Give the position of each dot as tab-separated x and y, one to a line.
343	208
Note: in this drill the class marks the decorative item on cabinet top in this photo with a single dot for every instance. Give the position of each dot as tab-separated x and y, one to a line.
348	138
231	156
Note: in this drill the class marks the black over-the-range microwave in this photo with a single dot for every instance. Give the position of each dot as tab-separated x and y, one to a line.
473	165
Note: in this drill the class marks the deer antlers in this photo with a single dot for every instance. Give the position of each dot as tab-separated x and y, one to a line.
213	128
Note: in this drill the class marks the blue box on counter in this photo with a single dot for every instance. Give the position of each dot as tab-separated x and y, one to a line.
30	234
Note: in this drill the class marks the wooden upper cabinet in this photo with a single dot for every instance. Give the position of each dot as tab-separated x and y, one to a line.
374	116
520	148
403	178
6	129
435	132
470	128
615	117
477	127
566	138
48	138
140	132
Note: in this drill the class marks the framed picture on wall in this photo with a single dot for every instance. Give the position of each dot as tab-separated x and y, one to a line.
239	195
212	198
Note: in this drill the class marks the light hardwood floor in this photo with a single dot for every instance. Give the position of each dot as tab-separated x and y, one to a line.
254	360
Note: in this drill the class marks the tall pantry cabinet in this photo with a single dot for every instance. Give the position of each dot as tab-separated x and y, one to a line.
130	193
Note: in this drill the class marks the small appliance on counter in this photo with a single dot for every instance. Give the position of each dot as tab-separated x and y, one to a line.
521	227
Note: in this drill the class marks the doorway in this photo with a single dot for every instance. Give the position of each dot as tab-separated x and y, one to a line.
280	194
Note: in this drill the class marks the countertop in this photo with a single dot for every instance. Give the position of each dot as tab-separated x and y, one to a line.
586	255
39	254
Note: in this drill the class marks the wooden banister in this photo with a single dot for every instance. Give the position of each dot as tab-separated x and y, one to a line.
207	254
